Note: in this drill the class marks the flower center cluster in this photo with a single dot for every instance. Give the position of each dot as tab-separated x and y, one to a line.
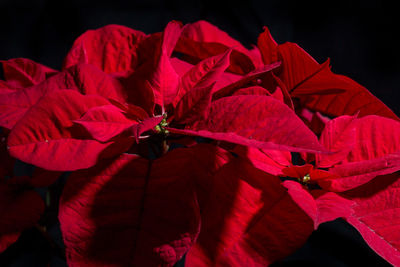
160	128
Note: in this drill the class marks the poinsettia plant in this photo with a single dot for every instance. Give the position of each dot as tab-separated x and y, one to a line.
186	143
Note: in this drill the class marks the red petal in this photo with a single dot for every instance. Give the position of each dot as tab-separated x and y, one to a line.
331	206
194	105
253	90
242	201
354	174
318	93
231	88
203	74
19	210
258	121
132	212
22	72
111	48
201	40
45	138
297	65
268	47
376	215
339	135
145	125
270	161
105	122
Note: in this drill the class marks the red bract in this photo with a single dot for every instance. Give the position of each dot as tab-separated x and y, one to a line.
135	211
250	197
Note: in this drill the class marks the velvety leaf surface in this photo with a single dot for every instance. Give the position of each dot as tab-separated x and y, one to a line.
331	206
83	77
22	72
105	122
258	121
241	83
375	151
297	65
268	47
354	174
194	105
376	215
203	74
201	40
45	136
233	223
133	212
339	135
337	95
270	161
111	48
19	210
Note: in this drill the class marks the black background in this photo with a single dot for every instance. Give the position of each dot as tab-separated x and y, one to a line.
360	37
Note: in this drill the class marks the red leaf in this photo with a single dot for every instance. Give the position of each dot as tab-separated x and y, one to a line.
258	121
376	215
337	95
156	81
201	40
19	209
253	90
105	122
22	72
84	78
339	135
242	202
204	74
194	105
231	88
353	174
132	212
297	65
45	136
268	47
145	125
111	48
331	206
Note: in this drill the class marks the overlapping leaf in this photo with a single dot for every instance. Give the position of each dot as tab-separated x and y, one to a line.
22	72
45	137
258	121
111	48
376	215
110	215
250	220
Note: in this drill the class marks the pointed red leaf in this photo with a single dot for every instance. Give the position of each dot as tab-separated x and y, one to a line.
145	125
337	95
105	122
376	215
331	206
268	47
353	174
297	65
203	74
339	135
249	220
194	105
45	136
111	48
270	161
19	209
231	88
22	72
133	212
201	40
258	121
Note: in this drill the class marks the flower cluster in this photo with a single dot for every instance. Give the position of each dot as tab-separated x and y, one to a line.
185	142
